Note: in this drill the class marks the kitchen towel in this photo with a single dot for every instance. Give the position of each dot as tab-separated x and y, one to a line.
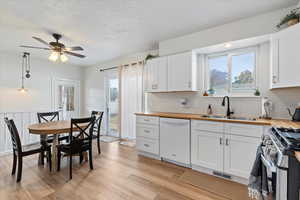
258	181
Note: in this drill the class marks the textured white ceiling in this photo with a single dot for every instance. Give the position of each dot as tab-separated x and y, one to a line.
113	28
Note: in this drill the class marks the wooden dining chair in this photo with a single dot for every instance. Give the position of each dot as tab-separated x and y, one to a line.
19	152
44	117
50	117
97	127
82	142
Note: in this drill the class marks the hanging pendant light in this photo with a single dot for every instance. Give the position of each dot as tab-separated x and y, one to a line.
25	69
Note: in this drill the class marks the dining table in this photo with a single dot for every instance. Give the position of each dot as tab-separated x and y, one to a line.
54	128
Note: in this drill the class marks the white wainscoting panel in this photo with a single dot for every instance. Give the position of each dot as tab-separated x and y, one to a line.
22	120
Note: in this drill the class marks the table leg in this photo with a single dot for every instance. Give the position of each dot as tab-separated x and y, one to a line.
43	139
54	152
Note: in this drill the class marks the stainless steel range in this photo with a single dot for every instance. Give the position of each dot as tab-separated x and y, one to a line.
283	168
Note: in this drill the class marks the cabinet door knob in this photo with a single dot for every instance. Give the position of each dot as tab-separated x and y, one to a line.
221	141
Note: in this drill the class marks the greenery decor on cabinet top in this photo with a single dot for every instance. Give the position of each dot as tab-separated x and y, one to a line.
290	19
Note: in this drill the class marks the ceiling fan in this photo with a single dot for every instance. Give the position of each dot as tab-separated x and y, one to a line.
58	49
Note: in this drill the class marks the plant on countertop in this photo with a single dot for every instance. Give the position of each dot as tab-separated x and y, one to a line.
211	91
290	19
257	92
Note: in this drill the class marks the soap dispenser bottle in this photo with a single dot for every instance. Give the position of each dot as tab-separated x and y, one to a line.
209	110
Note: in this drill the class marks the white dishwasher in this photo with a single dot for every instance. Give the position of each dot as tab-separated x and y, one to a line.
175	140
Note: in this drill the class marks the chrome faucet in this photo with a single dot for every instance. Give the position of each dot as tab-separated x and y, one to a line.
229	112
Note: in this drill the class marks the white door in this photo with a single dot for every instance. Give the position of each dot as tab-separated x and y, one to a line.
156	75
112	103
207	149
150	76
175	140
66	97
239	155
285	57
162	74
179	72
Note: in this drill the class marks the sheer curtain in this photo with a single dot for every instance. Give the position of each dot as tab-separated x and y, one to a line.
131	98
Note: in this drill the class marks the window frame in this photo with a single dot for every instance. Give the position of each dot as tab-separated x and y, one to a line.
229	54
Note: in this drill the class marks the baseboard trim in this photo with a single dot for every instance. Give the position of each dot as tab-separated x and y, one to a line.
150	155
237	179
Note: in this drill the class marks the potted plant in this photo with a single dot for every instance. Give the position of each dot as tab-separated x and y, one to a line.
257	92
211	91
149	56
290	19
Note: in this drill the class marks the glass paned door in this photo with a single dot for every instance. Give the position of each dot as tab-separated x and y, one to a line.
112	103
66	98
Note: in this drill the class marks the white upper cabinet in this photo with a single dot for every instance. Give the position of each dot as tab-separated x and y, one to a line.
172	73
156	75
285	58
182	72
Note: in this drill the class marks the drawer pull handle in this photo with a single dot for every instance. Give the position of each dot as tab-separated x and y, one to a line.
146	131
174	155
146	145
227	142
221	141
146	120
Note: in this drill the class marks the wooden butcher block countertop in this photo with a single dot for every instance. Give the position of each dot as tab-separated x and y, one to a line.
264	122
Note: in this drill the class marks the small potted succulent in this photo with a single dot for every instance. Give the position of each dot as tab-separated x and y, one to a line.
211	91
290	19
257	92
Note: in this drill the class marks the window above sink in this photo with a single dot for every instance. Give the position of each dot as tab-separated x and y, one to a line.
232	72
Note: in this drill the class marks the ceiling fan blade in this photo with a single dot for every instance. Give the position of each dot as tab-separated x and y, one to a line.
41	40
24	46
74	54
77	48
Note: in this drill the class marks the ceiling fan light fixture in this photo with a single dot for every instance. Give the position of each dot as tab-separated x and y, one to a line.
54	56
63	58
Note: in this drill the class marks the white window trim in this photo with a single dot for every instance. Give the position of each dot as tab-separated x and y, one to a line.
230	53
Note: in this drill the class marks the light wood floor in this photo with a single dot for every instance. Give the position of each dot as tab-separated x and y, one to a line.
119	173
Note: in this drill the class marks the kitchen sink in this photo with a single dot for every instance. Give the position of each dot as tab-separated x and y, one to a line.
225	118
242	118
214	116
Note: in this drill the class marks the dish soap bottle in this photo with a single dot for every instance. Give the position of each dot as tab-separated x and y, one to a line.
209	110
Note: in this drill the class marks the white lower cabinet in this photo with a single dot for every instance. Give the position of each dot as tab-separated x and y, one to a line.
175	140
206	149
147	145
239	155
147	135
227	149
228	153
